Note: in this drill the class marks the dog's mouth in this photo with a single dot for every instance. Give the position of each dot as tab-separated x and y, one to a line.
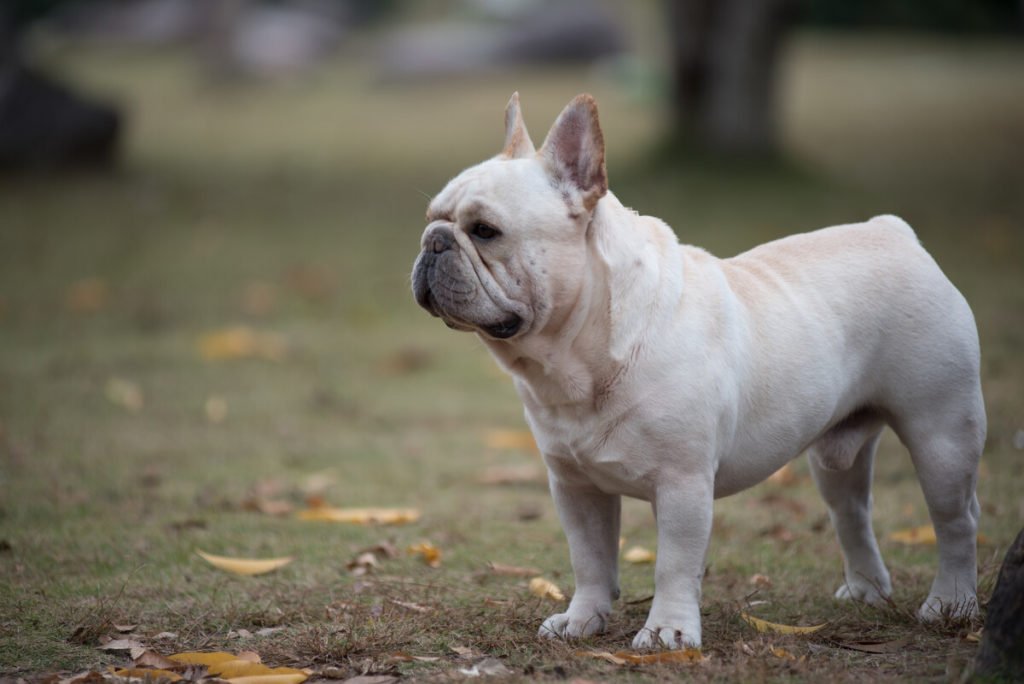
505	329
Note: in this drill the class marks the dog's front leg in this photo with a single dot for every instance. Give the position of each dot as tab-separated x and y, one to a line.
683	511
590	519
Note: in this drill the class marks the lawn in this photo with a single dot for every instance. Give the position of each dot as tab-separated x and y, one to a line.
293	212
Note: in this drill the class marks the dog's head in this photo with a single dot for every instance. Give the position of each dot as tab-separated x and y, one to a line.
503	252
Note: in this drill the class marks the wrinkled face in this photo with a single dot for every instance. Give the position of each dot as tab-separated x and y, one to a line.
503	251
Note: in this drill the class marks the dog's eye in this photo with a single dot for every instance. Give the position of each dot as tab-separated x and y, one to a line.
483	231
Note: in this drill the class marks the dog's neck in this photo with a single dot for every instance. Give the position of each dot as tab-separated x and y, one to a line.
578	361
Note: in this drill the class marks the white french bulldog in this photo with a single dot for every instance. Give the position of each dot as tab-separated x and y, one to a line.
655	370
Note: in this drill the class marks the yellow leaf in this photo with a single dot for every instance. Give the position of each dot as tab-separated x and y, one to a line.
688	655
233	669
784	476
145	672
510	440
914	535
923	535
361	516
244	566
124	393
765	626
241	342
198	658
546	589
431	554
783	654
282	678
639	554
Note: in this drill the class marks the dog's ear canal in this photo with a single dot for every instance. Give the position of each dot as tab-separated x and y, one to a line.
517	140
574	149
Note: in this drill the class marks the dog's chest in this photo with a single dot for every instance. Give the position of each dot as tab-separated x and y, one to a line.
590	449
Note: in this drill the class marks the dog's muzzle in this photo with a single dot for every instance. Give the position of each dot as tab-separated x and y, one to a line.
441	289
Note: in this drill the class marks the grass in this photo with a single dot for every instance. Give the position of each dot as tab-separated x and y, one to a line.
297	209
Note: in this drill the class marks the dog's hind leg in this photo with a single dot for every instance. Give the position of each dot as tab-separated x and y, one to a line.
841	464
945	448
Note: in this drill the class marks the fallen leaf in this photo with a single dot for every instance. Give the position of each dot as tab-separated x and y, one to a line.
783	654
514	474
546	589
759	580
463	651
124	393
894	646
125	628
510	440
362	564
765	626
154	660
784	476
244	566
259	298
87	295
240	342
638	554
512	570
202	658
431	554
123	645
688	655
924	534
974	636
216	409
149	674
488	667
361	516
416	607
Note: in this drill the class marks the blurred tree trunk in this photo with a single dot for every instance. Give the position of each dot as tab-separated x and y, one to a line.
725	57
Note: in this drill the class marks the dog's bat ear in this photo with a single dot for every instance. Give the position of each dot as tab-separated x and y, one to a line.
574	150
517	140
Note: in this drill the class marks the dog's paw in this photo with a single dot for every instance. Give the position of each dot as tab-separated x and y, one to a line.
868	593
937	608
567	626
666	637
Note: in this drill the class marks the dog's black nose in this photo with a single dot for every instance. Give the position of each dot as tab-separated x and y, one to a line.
441	240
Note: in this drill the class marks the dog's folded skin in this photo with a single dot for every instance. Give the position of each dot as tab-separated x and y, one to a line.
655	370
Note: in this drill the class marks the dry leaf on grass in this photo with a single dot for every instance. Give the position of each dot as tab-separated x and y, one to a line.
216	409
783	654
784	476
124	393
512	570
510	440
687	656
765	626
241	342
149	674
87	295
244	566
923	535
546	589
430	553
871	646
361	516
638	554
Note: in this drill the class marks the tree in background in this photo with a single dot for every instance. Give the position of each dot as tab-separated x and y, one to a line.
725	56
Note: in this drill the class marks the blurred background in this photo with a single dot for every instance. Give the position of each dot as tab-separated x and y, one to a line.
209	211
171	170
